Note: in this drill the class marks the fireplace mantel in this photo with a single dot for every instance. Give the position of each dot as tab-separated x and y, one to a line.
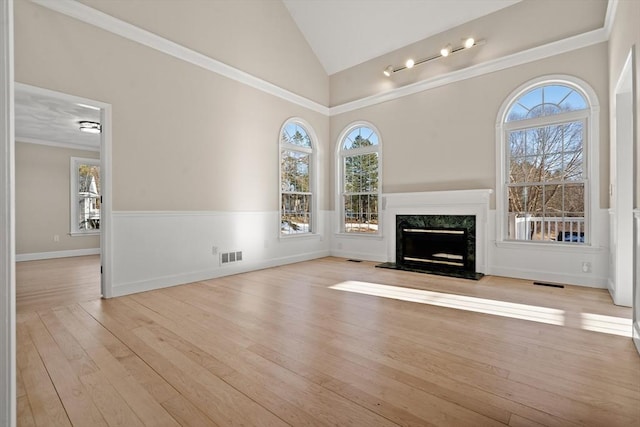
458	202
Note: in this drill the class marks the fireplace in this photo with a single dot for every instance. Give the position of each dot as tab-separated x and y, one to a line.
438	244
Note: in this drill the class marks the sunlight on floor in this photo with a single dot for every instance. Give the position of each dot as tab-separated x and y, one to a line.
607	324
551	316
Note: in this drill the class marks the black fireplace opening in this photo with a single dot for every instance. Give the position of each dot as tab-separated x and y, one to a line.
437	248
437	244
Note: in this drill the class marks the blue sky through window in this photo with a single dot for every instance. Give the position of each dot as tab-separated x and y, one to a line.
546	100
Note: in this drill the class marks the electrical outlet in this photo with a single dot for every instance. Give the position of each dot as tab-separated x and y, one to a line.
586	267
56	238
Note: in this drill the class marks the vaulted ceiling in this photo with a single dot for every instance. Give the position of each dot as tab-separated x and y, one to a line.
344	33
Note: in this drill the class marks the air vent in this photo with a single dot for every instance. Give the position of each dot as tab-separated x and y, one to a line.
230	257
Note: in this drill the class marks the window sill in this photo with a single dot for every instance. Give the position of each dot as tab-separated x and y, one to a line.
300	236
359	236
84	233
551	247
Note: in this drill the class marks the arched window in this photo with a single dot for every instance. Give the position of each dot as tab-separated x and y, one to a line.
296	178
544	192
359	179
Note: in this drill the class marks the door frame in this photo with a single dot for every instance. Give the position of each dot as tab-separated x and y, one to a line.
7	221
105	176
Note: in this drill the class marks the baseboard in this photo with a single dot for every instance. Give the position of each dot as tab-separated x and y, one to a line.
57	254
611	288
636	335
587	281
181	279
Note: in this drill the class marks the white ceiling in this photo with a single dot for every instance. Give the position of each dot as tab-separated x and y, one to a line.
52	120
344	33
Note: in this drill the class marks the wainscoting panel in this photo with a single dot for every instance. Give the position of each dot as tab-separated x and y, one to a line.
575	265
158	249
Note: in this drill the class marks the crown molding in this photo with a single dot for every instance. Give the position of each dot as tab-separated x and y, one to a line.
612	7
121	28
116	26
534	54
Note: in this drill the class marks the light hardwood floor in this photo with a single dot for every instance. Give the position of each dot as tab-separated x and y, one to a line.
304	344
60	281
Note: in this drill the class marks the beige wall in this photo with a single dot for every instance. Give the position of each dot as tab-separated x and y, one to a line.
42	199
255	36
445	138
184	138
624	37
525	25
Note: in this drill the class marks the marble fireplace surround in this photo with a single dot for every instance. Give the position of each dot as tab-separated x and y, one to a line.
457	202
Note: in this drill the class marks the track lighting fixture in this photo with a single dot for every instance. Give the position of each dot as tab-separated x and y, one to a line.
469	42
444	52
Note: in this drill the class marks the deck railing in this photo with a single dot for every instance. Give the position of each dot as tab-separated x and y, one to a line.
568	229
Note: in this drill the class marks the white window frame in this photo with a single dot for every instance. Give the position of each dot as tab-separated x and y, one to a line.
313	179
591	116
341	153
73	196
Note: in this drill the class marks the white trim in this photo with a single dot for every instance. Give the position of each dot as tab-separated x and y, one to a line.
74	164
612	7
57	144
549	247
116	26
543	276
7	221
145	214
314	175
106	229
636	280
592	186
179	279
35	90
106	22
57	254
105	173
534	54
339	170
456	202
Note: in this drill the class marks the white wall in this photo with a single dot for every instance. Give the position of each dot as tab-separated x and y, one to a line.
158	249
43	203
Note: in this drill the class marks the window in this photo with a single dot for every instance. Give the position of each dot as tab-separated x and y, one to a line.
85	196
296	180
544	137
359	178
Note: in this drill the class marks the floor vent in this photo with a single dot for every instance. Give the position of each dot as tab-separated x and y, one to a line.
354	260
230	257
551	285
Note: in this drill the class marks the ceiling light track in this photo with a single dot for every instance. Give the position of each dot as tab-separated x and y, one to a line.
444	52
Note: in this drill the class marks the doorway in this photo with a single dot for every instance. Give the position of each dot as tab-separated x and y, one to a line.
62	145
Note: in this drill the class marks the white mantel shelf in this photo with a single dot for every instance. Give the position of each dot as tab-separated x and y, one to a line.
437	198
456	202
